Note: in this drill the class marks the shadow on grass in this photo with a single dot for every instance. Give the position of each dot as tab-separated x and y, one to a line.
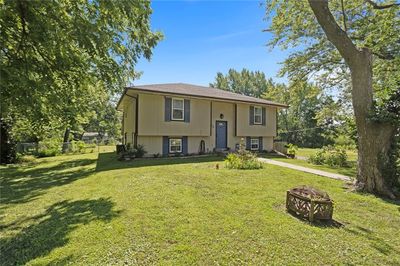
50	229
24	183
378	243
108	161
318	223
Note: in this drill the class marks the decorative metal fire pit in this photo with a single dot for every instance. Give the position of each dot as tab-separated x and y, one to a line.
310	203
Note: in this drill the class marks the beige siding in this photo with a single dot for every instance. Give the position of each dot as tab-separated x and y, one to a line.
152	144
203	118
245	129
129	120
194	144
151	118
268	143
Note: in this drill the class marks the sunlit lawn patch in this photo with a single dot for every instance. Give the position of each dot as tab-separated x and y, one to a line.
92	209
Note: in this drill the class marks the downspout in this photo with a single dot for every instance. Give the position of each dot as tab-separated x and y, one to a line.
135	141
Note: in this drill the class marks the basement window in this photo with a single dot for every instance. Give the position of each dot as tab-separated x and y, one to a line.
175	145
254	144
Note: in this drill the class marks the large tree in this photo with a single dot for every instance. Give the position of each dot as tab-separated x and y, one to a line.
353	43
250	83
57	55
302	123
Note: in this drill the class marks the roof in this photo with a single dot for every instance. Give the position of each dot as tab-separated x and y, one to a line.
200	91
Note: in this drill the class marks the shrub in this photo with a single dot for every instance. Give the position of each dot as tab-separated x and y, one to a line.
21	158
291	150
330	155
317	158
139	151
345	142
48	148
242	160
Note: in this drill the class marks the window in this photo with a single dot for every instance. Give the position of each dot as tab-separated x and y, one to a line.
175	145
254	144
178	109
257	115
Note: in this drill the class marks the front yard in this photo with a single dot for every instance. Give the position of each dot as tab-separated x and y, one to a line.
92	209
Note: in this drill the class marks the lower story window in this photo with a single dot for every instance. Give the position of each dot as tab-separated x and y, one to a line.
255	144
175	145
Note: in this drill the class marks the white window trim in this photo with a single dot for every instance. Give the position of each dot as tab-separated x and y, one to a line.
183	109
257	141
261	115
170	140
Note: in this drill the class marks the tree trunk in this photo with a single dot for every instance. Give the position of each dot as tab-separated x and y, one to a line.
374	138
7	146
66	140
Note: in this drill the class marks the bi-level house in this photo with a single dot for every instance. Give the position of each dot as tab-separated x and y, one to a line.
188	119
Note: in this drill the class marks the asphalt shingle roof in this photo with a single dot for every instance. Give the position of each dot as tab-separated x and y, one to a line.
201	91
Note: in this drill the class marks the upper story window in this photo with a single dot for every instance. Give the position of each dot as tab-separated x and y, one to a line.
254	144
178	109
257	115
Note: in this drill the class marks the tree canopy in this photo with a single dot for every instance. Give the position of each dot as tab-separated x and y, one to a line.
352	46
250	83
61	58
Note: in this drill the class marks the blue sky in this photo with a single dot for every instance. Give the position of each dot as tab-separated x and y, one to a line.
206	37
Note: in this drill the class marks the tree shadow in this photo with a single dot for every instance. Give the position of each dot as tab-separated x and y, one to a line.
24	183
51	229
318	223
376	242
108	161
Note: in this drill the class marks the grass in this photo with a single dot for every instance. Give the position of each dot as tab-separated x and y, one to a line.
350	171
307	152
91	209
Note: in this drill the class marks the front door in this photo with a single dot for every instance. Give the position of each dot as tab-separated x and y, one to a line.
221	131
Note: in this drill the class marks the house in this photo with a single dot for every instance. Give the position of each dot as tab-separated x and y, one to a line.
180	118
94	136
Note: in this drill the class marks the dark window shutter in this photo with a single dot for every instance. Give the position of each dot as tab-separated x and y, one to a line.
260	144
248	143
165	146
168	107
187	110
251	116
263	116
185	145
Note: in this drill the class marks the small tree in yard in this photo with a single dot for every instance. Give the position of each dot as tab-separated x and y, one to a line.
354	45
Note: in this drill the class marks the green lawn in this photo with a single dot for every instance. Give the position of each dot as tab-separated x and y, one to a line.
350	171
91	209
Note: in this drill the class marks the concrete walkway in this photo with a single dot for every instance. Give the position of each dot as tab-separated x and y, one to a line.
305	169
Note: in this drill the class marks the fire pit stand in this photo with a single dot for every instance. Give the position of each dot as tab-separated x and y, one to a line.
309	203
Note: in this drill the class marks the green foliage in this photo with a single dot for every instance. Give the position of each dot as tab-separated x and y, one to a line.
49	147
140	151
330	155
345	141
302	123
292	149
25	159
63	59
245	82
133	151
242	160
